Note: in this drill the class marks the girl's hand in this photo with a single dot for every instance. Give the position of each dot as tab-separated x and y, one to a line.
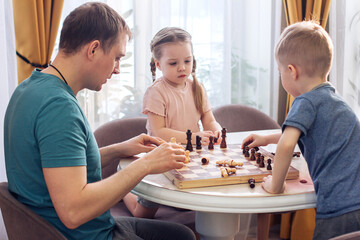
268	187
205	136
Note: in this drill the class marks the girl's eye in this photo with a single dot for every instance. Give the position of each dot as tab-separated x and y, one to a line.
187	61
172	63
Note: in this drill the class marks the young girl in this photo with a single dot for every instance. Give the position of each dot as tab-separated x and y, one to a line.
174	103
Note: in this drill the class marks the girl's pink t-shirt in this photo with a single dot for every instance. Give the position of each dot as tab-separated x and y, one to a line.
176	105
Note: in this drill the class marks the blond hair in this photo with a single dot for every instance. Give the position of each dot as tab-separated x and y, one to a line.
307	45
176	35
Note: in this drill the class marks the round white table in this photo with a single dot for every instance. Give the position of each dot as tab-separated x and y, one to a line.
218	208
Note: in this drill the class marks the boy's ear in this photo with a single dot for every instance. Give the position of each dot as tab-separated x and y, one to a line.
293	71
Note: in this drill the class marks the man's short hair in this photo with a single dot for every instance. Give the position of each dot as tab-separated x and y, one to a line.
307	45
91	21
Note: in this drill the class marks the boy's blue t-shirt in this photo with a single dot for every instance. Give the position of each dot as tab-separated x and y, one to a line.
330	143
45	127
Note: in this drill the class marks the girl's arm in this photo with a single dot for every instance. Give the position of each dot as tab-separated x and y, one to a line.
159	129
210	124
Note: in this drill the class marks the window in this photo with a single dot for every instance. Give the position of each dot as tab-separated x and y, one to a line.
233	44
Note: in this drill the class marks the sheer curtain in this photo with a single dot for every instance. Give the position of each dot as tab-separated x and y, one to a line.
233	45
344	29
8	79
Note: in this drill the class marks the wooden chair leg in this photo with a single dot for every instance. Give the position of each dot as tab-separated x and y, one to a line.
263	226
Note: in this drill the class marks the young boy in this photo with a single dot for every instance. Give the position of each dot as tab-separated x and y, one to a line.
322	124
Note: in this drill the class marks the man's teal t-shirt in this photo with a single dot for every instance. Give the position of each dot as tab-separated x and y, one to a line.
45	127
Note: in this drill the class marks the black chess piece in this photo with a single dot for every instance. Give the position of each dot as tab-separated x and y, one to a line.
268	167
252	155
198	143
211	143
223	140
262	163
258	159
188	137
251	182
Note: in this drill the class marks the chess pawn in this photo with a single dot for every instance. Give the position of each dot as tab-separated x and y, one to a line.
252	155
189	144
211	143
262	163
258	159
251	182
198	143
268	167
187	156
223	140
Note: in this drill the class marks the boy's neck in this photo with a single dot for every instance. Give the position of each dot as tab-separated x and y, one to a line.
309	83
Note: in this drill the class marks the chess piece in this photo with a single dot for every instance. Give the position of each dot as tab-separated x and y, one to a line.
205	161
187	156
223	140
215	139
251	182
211	143
258	159
268	167
189	144
198	143
262	163
252	155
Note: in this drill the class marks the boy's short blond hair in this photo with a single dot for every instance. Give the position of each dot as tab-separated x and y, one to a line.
307	45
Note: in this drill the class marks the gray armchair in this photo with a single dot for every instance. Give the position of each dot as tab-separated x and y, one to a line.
238	117
21	223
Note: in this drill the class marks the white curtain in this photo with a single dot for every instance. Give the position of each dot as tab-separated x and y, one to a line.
8	79
344	28
233	45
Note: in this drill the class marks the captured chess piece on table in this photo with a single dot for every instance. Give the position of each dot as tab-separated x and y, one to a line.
251	182
188	138
223	140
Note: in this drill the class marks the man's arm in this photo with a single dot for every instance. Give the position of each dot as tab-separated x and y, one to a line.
282	161
77	202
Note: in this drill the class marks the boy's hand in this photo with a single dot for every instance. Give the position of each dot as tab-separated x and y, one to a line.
254	140
267	185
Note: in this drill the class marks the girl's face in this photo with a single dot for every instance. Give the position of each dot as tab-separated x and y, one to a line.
176	63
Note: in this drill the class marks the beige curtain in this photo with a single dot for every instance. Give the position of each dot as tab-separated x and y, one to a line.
36	26
301	224
299	10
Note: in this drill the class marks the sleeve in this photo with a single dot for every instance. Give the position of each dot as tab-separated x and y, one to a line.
154	101
301	115
61	134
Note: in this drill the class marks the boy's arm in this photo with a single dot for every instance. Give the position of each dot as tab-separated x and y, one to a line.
255	140
282	161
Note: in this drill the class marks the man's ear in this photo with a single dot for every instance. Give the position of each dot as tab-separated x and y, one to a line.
93	47
293	71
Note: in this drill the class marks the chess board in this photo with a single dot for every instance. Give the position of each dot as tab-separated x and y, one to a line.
194	174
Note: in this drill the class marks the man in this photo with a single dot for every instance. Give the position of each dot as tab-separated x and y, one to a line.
52	160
